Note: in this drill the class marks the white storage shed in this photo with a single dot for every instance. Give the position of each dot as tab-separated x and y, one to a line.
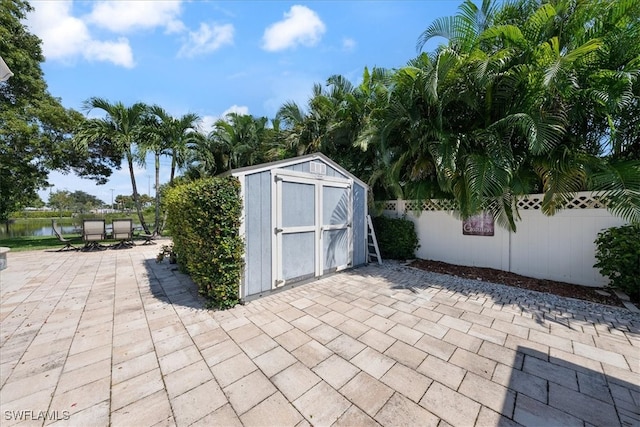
303	218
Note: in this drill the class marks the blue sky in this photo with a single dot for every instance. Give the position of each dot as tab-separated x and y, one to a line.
213	57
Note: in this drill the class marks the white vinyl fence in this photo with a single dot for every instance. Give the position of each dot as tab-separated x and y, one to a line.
559	247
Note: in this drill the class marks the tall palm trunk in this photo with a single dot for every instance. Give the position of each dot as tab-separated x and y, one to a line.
157	227
171	176
136	196
173	168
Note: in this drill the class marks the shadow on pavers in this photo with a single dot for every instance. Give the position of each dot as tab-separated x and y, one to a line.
548	390
169	285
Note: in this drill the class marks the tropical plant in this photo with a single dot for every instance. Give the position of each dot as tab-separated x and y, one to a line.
521	99
120	128
177	135
236	141
396	237
618	258
166	135
306	131
334	120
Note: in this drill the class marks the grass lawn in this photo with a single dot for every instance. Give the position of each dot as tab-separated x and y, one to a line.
35	243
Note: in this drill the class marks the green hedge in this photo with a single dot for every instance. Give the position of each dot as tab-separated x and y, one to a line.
618	256
397	237
204	218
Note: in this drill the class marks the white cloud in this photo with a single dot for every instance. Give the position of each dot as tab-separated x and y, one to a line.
300	26
207	39
126	16
65	37
206	125
62	34
208	120
348	44
117	52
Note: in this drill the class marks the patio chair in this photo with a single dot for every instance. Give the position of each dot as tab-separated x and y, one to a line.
57	230
93	232
122	229
149	238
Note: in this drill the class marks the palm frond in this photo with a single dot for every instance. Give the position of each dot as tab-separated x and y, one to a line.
562	175
510	33
455	29
484	178
543	133
537	23
446	154
618	184
504	210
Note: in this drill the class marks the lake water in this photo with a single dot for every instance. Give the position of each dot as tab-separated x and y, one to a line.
38	227
42	227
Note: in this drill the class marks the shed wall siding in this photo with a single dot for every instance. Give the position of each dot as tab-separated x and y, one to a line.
359	212
258	232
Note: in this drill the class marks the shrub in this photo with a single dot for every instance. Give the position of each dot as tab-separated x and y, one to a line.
397	237
166	251
204	217
618	255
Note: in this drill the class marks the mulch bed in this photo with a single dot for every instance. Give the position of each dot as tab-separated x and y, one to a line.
511	279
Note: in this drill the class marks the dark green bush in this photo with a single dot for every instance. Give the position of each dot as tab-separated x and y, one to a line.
204	217
396	237
618	255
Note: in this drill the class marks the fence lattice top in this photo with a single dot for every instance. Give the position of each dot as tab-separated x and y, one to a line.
583	200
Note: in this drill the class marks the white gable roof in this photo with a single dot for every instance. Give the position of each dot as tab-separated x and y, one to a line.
241	172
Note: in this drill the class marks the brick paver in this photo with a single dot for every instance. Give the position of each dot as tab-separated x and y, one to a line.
112	338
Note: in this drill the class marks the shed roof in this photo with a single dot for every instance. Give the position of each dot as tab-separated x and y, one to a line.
292	161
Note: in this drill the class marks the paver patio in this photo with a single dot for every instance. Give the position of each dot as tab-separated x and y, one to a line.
112	338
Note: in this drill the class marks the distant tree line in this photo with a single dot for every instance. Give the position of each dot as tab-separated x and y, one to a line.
82	202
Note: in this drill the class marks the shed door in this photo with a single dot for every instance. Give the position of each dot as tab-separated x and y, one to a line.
336	226
312	233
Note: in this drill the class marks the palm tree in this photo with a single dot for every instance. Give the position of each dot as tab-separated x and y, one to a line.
239	140
571	92
292	118
122	128
334	121
492	114
203	159
177	135
354	107
167	135
308	131
463	29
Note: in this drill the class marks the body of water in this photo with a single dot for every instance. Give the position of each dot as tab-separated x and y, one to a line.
38	227
42	227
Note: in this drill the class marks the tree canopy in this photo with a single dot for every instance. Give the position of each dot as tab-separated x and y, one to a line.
78	201
35	129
